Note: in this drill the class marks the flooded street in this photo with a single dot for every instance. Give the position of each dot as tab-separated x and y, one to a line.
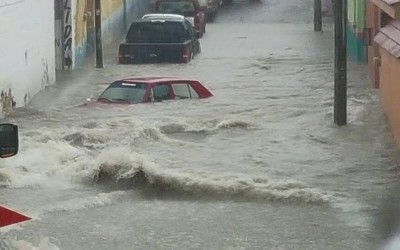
258	166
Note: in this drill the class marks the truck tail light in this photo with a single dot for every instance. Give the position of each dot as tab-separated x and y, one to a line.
185	54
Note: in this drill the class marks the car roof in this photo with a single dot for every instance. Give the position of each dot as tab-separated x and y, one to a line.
153	80
163	16
158	19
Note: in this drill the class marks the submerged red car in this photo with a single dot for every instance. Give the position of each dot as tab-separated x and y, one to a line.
150	89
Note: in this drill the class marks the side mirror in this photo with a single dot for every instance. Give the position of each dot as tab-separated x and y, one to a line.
8	140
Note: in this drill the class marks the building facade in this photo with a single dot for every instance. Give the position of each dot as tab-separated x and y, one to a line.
42	37
77	27
27	60
383	26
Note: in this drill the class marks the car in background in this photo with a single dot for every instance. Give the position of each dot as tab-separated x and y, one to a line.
211	8
190	9
149	89
159	38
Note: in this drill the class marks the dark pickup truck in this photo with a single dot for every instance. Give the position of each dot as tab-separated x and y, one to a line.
159	39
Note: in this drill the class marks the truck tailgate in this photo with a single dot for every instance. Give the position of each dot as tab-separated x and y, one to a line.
151	52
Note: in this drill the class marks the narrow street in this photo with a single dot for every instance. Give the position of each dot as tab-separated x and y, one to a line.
258	166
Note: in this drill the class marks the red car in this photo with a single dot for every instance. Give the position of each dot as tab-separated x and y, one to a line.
150	89
190	9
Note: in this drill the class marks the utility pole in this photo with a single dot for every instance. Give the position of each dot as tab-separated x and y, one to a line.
97	24
340	102
317	15
125	16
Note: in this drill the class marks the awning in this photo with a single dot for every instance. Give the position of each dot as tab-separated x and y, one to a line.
390	7
388	38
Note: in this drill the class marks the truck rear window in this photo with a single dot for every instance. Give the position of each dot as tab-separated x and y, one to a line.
185	8
156	32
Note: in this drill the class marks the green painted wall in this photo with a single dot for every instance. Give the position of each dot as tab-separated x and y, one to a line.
355	27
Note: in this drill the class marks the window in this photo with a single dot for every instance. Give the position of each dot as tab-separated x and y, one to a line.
193	92
128	92
184	91
181	91
189	28
185	8
153	32
161	92
187	32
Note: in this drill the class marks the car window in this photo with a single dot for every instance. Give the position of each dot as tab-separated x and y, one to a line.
161	92
188	26
184	91
181	90
185	8
187	33
148	32
130	92
193	92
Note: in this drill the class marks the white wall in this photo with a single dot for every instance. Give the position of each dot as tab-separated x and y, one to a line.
27	47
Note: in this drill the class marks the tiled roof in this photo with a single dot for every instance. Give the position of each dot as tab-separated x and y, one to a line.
391	2
388	38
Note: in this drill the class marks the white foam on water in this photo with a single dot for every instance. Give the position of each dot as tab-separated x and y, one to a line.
99	200
122	163
44	244
391	244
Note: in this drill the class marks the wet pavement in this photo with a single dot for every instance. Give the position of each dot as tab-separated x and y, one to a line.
258	166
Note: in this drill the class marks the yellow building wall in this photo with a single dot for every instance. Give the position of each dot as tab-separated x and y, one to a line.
80	22
116	17
109	7
85	21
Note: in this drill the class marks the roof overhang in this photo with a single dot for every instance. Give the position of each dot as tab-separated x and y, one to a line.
388	38
390	7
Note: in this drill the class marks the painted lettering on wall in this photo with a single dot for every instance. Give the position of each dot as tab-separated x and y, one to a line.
67	34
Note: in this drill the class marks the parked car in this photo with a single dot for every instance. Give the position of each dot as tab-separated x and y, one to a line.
191	9
149	89
157	38
211	7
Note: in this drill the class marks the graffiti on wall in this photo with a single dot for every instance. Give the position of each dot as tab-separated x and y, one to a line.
67	34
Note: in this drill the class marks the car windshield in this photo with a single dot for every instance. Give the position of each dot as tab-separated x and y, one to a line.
184	8
153	32
124	92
